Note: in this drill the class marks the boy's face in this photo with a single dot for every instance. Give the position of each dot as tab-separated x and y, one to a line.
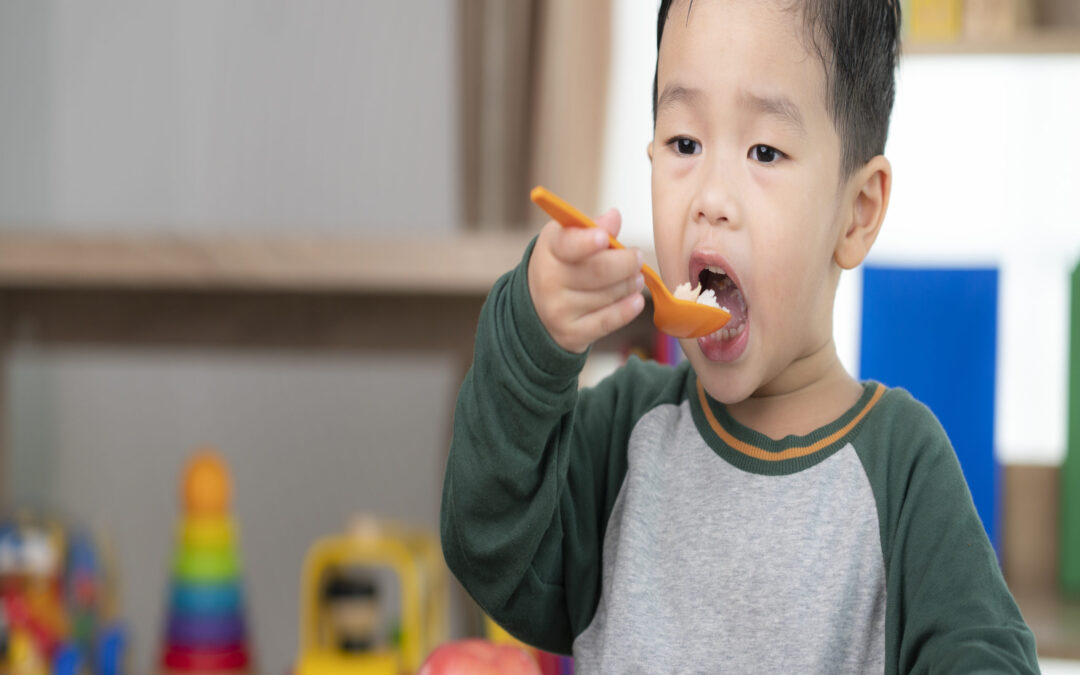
746	179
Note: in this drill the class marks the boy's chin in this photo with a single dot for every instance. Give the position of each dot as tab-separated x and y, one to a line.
724	382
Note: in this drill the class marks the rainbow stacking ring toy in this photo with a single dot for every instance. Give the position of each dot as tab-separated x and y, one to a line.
205	629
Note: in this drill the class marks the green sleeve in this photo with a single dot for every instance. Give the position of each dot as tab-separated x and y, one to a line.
948	608
533	471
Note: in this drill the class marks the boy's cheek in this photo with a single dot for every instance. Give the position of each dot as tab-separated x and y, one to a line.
670	204
668	258
670	172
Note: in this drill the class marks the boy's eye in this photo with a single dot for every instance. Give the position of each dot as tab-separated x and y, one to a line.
765	154
685	146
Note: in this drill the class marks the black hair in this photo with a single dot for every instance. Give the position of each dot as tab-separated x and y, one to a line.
858	44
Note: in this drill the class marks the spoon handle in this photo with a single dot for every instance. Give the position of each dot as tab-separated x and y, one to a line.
566	215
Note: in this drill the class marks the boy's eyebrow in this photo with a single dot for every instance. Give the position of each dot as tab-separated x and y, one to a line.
776	106
676	93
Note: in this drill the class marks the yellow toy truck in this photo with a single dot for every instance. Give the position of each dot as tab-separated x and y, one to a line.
342	600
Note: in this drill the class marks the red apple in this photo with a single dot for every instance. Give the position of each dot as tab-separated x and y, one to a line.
478	657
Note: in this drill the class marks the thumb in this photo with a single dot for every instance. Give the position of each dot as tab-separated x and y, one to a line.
610	222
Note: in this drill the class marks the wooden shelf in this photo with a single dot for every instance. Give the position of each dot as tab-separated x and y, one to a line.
1031	501
1027	41
1054	618
263	292
465	264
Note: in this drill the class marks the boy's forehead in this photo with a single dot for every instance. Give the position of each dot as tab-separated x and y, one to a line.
755	49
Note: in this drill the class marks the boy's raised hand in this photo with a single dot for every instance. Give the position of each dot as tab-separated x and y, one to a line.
583	290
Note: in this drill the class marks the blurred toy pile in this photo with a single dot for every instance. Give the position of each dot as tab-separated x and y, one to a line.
373	600
57	614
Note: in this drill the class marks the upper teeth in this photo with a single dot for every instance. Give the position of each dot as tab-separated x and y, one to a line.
716	270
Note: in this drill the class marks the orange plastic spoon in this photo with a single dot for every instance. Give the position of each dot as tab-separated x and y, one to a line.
678	318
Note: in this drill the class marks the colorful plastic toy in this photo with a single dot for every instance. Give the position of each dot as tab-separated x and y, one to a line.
343	630
206	631
56	611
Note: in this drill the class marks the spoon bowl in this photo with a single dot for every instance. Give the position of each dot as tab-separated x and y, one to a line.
678	318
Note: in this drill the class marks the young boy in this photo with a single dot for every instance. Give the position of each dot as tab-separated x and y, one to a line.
754	509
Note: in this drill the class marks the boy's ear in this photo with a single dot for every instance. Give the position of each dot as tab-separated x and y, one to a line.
648	149
869	191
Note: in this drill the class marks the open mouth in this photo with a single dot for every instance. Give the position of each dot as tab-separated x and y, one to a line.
714	276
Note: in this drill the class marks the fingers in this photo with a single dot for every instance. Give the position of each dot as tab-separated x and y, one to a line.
612	317
572	245
610	222
590	315
604	269
577	330
582	289
582	302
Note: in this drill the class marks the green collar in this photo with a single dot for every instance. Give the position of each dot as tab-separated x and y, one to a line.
755	452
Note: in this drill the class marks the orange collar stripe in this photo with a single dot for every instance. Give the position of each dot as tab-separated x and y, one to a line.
790	453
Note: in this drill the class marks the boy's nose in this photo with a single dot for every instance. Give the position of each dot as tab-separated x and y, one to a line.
716	202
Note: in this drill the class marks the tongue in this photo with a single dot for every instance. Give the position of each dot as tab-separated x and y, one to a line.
729	297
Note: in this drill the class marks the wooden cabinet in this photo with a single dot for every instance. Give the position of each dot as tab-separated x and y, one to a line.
278	292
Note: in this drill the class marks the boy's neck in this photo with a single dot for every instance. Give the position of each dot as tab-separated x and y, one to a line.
812	392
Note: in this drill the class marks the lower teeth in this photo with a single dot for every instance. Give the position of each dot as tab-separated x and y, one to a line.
728	333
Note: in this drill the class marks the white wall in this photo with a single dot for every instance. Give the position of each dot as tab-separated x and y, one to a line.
986	155
986	159
625	183
240	116
248	115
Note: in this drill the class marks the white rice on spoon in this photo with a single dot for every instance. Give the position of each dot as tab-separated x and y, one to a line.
684	292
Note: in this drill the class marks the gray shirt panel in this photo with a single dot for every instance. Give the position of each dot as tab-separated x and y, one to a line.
708	568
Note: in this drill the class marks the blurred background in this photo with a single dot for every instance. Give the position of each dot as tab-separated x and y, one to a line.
267	227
